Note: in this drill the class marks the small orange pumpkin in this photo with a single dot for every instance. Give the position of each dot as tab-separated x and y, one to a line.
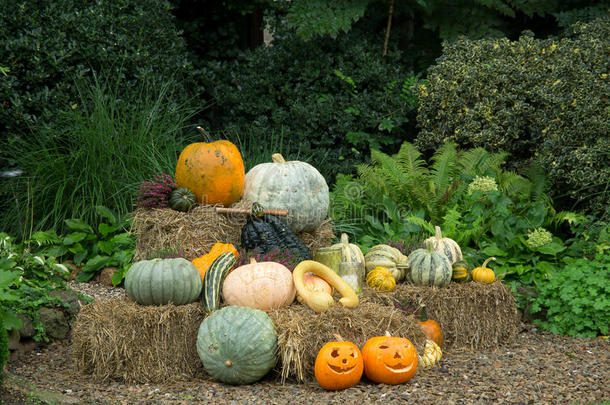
204	262
484	274
213	171
431	328
389	359
339	365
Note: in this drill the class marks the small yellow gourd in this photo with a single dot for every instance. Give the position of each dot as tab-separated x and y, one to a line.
380	278
319	300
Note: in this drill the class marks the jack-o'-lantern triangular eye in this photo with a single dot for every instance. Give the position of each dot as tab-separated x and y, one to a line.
335	353
383	347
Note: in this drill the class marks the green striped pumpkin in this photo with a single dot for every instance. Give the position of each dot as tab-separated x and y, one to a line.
160	281
445	245
182	199
237	345
213	278
429	267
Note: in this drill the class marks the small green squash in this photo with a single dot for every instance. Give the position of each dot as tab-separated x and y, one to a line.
388	257
429	267
237	345
461	272
213	278
160	281
182	199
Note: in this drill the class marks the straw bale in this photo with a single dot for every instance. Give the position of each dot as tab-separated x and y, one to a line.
117	339
302	332
196	231
472	316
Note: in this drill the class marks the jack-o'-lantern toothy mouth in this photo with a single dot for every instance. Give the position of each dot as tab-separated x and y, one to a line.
340	370
399	367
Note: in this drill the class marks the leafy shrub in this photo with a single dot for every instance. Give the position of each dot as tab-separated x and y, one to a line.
48	45
336	98
94	154
576	299
543	100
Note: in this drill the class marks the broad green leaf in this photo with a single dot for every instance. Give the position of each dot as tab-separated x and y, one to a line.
107	214
78	225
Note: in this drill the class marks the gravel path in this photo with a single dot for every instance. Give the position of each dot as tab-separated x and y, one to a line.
538	368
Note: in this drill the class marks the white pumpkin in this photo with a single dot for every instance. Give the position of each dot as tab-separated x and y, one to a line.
294	186
447	246
349	251
264	285
432	355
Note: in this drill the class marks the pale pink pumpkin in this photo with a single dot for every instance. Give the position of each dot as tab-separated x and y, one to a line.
264	285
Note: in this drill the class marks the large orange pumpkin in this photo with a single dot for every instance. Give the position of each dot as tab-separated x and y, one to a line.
339	365
389	359
213	171
204	262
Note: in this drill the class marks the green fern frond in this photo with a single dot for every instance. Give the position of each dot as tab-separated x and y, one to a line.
415	220
470	160
409	159
572	218
452	223
443	169
514	184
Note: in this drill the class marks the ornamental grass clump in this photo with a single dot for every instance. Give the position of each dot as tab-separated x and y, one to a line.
155	194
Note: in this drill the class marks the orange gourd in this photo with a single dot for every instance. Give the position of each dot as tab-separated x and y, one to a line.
204	262
315	283
389	359
484	274
431	328
339	365
213	171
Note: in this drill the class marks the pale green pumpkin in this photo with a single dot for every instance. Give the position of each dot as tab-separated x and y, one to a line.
160	281
237	345
294	186
429	267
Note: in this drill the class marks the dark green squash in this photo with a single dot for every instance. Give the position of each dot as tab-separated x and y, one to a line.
266	233
182	199
213	278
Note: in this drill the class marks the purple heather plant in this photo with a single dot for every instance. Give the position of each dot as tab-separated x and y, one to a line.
284	258
155	194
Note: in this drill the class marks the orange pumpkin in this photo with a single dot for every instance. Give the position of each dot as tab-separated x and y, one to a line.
204	262
431	328
213	171
389	359
339	365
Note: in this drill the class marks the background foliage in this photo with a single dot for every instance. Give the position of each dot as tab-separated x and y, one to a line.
542	100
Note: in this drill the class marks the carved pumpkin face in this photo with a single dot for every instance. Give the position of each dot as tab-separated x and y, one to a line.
339	365
389	359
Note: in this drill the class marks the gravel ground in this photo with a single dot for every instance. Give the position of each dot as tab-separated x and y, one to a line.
538	368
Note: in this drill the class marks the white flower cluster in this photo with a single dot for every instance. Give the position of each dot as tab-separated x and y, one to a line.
538	237
482	183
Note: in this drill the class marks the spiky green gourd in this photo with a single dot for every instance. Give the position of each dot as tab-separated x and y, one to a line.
429	267
237	345
213	278
160	281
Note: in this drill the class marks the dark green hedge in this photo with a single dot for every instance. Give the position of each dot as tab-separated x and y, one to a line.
544	100
326	96
47	45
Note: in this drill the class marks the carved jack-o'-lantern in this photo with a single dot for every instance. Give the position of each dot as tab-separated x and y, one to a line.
389	359
339	365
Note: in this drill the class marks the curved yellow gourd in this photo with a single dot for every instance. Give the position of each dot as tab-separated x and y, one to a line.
319	300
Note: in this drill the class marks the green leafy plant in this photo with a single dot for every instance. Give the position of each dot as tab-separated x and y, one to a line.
551	110
576	299
95	154
110	245
28	276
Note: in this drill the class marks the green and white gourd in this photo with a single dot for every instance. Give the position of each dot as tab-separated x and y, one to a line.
429	267
237	345
388	257
213	278
445	245
294	186
161	281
